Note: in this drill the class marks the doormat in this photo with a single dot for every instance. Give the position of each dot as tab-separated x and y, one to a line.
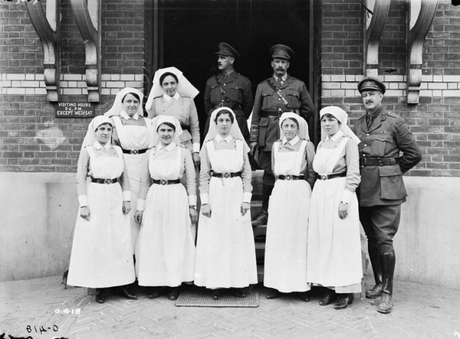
202	298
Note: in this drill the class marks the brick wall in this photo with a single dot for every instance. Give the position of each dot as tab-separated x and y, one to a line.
31	138
435	121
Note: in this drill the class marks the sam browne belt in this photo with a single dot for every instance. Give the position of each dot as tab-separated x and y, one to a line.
376	161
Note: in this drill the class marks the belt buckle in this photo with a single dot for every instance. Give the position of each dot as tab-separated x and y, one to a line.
323	177
107	181
226	175
288	177
163	182
134	151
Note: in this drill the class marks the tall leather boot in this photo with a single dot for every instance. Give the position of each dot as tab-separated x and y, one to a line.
388	268
262	218
374	256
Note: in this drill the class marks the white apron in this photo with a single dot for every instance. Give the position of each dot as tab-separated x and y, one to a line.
102	254
134	137
165	251
225	247
334	246
285	267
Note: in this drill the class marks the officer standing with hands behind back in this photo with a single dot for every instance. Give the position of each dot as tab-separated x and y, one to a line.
229	88
278	94
383	136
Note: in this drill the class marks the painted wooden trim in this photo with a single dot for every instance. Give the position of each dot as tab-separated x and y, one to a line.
47	26
88	17
375	16
420	17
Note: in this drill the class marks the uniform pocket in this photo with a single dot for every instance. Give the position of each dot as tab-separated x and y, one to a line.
391	183
379	144
263	126
293	98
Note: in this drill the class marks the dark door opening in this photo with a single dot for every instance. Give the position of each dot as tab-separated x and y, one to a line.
190	30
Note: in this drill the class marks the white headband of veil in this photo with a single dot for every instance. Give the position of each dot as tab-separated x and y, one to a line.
342	117
117	106
235	131
90	137
184	87
303	126
161	119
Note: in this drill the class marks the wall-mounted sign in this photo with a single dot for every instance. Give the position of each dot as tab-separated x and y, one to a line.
74	110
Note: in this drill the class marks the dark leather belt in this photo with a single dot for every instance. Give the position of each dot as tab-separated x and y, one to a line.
331	176
166	182
227	104
269	114
226	175
373	161
105	181
134	151
290	177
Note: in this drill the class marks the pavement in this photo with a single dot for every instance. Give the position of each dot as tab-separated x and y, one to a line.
42	308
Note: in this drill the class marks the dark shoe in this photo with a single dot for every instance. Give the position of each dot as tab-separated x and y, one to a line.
260	220
216	294
173	293
273	294
328	299
343	300
125	293
239	293
375	292
101	295
303	296
385	306
153	292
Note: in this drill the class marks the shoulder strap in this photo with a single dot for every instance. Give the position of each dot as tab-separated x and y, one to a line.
279	94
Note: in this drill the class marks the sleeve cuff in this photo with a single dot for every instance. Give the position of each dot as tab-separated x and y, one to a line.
126	195
83	200
204	198
346	196
140	205
247	197
192	200
196	147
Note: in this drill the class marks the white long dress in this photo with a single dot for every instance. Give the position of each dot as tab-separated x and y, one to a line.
334	246
225	254
134	137
166	251
285	267
102	249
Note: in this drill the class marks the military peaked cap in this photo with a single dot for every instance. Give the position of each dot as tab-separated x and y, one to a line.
281	51
227	50
371	84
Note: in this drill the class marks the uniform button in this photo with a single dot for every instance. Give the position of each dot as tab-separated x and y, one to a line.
365	145
367	134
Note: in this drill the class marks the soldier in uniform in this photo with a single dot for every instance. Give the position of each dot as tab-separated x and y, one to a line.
229	88
274	96
383	136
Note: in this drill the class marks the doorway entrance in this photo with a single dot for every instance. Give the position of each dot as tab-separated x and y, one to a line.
188	32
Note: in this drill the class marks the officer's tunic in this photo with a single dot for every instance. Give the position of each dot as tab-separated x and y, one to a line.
268	107
382	189
387	136
233	91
